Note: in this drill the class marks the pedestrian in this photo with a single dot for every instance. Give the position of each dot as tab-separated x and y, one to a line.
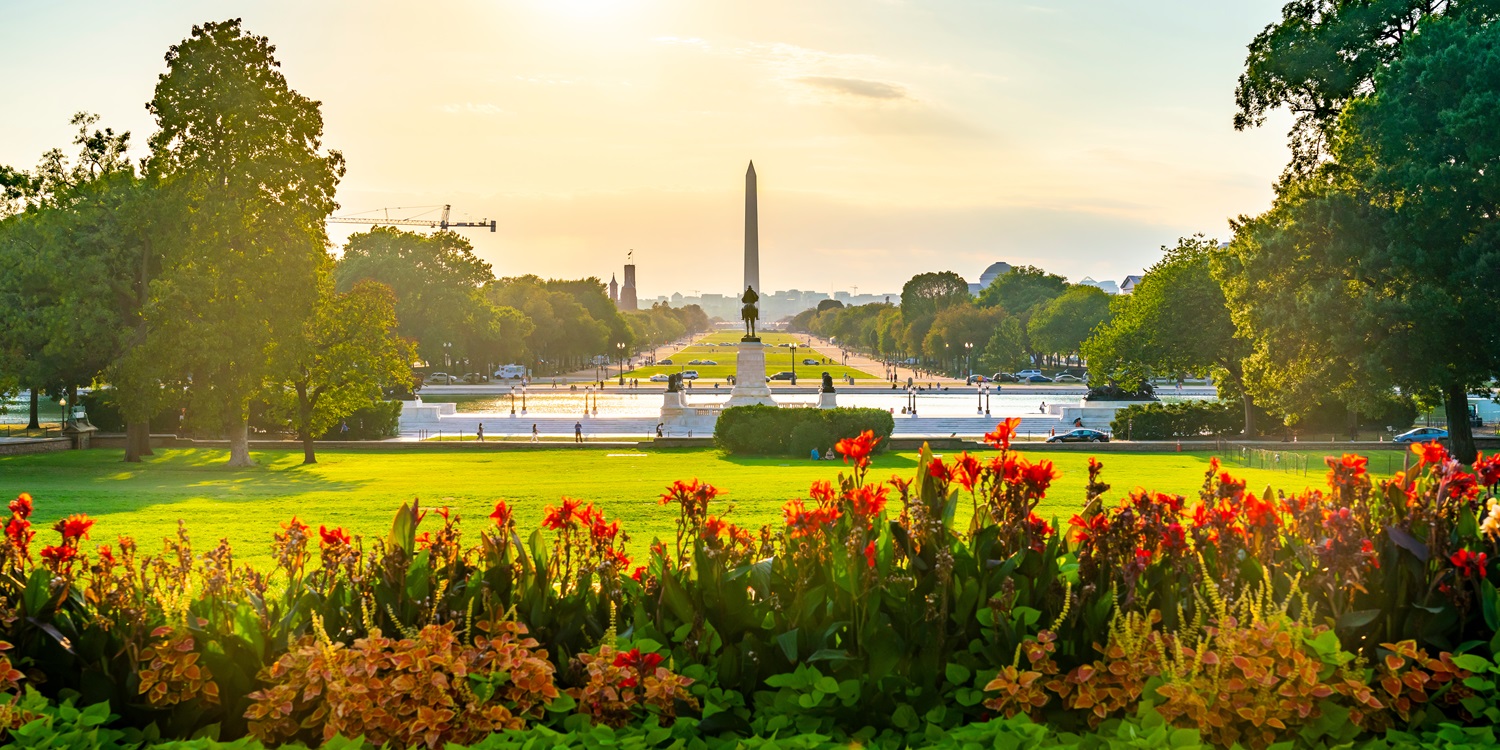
1043	408
344	428
534	435
659	425
479	432
577	432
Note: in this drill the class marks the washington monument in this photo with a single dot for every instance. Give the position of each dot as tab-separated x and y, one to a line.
752	234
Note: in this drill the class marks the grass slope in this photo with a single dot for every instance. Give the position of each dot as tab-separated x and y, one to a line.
778	359
360	490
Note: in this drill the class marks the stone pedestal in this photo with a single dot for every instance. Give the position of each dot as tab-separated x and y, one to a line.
750	377
827	400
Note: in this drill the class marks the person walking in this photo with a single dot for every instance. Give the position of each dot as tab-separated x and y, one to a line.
479	432
534	435
577	432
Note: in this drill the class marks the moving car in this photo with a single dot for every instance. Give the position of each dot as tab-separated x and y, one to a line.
810	361
1067	378
658	378
1080	435
689	374
1421	435
474	378
1035	379
666	361
783	375
1027	373
695	362
1004	377
439	378
708	362
972	379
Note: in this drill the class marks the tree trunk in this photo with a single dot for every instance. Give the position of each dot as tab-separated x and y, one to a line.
304	424
239	442
308	456
33	424
1460	433
1249	415
133	440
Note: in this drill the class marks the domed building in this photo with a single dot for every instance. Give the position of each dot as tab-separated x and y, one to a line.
995	271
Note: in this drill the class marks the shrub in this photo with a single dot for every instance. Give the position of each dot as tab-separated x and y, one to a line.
377	421
772	431
1161	421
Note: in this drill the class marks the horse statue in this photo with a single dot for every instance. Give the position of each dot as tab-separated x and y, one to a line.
749	312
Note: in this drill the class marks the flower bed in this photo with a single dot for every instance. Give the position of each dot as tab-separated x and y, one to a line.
1361	612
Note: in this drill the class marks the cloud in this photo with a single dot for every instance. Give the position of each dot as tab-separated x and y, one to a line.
858	87
473	108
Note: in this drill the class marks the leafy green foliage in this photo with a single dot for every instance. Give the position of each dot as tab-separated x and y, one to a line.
1160	421
771	431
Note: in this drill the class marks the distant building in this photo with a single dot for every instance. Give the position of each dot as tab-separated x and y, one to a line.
627	291
614	290
995	271
677	299
1128	285
1109	286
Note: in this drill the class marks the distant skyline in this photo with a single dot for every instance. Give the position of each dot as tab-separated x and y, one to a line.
890	138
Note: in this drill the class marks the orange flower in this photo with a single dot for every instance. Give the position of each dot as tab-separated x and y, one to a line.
1431	452
869	501
21	506
74	527
59	555
1038	476
502	514
858	448
559	518
713	527
966	470
939	471
870	554
1003	433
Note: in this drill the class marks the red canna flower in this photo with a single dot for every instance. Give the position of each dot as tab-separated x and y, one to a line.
59	555
1038	477
19	532
502	515
868	501
1467	563
1431	452
939	471
858	448
967	470
822	492
870	554
333	537
639	573
1488	469
74	527
559	518
713	527
1003	433
21	506
296	525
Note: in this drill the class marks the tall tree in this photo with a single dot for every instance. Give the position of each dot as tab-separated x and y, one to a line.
241	152
927	293
1381	269
1022	289
347	353
1062	325
1176	321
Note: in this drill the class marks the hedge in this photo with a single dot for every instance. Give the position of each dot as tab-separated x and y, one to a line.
1162	421
774	431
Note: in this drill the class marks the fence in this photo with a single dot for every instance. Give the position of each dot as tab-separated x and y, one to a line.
1384	462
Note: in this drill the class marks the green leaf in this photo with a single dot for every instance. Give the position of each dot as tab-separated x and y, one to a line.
957	674
1473	663
788	643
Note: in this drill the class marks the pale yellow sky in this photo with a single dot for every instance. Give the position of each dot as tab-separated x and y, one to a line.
891	138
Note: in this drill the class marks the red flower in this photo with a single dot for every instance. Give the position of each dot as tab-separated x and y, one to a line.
822	492
1003	433
1463	486
1174	539
966	470
1488	469
937	470
18	531
333	537
1085	529
502	515
870	554
295	525
712	527
858	448
618	559
639	573
59	555
868	501
21	506
559	518
1260	514
74	527
1038	476
1467	563
1431	453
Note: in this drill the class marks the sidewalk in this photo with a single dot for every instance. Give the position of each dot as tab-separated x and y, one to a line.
876	368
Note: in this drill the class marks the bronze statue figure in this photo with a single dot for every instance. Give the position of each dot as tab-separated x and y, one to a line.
827	383
749	312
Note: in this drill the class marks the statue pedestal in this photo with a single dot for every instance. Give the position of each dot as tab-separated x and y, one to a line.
750	377
827	400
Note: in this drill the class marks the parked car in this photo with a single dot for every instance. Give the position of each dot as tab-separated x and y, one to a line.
1035	379
1421	435
1027	373
439	378
708	362
1067	378
666	361
695	362
972	379
783	375
1081	435
658	378
811	361
689	374
474	378
1004	377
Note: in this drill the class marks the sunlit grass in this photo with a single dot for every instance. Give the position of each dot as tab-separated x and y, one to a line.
778	359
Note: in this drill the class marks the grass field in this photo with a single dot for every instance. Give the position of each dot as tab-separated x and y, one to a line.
778	359
360	490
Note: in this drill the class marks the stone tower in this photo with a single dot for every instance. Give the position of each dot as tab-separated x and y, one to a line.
627	291
614	290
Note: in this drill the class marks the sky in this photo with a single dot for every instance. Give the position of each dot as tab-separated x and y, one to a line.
890	138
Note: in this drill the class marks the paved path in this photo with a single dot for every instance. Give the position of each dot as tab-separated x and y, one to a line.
876	368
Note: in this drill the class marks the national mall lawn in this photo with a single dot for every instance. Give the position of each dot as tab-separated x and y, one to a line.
360	490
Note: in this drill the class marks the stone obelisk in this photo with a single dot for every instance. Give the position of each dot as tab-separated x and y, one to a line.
750	363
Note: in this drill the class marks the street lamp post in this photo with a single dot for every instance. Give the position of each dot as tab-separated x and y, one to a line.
523	398
512	401
969	357
987	390
911	400
447	360
794	363
979	399
620	347
586	391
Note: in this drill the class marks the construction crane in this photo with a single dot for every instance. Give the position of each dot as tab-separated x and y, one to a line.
442	223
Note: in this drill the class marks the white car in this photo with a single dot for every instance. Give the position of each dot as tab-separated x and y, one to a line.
1027	373
707	362
439	378
658	378
689	374
1067	378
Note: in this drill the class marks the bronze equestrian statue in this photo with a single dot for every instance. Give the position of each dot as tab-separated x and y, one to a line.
749	313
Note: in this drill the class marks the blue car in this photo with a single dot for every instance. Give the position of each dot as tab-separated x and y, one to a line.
1421	435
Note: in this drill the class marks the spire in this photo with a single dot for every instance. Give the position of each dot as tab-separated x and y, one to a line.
752	232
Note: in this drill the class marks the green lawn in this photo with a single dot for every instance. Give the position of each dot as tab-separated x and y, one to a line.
361	489
778	359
